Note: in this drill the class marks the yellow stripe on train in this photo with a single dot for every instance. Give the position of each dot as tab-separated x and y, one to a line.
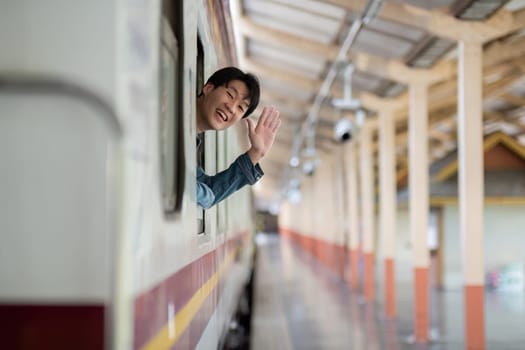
170	333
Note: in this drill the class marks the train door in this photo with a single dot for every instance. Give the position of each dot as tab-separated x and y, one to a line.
59	145
60	151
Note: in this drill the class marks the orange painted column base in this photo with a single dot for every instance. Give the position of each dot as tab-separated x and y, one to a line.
354	269
369	276
390	289
475	317
421	308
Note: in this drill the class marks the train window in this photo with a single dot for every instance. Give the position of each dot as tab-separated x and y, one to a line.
167	118
201	151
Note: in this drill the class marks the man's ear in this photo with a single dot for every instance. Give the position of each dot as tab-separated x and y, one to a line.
207	88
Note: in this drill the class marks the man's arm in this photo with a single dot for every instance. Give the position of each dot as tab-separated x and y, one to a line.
205	196
240	173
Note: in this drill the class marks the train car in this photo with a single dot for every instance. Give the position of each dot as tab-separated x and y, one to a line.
102	244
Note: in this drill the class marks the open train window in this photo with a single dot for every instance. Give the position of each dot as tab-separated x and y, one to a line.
201	151
170	144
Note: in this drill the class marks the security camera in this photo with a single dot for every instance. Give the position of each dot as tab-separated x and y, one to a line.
309	168
343	130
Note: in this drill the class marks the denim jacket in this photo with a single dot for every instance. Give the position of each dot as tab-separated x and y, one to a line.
213	189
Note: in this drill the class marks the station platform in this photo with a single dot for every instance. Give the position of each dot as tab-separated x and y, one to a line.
300	304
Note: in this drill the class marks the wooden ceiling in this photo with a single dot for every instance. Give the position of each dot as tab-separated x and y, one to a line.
291	44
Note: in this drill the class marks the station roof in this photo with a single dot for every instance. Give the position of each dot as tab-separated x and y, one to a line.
292	45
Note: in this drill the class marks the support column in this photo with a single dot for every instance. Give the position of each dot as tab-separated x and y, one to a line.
353	214
471	192
367	200
418	187
387	153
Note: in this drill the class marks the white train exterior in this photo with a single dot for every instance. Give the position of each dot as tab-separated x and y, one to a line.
101	242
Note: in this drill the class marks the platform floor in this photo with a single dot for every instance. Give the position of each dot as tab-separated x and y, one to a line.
299	304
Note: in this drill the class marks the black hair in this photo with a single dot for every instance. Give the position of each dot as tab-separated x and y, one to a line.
224	75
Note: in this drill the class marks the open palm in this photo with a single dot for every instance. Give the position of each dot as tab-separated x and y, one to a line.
263	134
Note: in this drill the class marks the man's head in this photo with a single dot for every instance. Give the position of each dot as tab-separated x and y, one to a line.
228	95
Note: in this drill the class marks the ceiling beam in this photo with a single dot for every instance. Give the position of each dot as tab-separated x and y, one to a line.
439	135
503	118
444	25
266	34
293	79
514	99
368	100
447	26
288	102
501	51
388	69
400	72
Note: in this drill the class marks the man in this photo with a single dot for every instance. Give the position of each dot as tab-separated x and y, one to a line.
228	96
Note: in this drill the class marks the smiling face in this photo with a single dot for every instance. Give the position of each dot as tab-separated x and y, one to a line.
219	107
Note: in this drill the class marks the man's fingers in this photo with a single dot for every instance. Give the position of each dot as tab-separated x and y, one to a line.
277	125
269	117
264	116
274	120
250	125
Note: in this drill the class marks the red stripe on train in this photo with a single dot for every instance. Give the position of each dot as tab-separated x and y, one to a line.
57	327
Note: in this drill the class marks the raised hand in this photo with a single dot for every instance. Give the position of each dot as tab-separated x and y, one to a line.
263	134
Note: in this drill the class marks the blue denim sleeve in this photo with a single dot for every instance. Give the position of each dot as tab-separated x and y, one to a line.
205	196
240	173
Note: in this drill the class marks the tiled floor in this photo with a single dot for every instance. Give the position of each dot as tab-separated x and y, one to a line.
298	304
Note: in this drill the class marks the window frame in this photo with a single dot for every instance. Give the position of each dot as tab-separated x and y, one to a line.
171	145
201	152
